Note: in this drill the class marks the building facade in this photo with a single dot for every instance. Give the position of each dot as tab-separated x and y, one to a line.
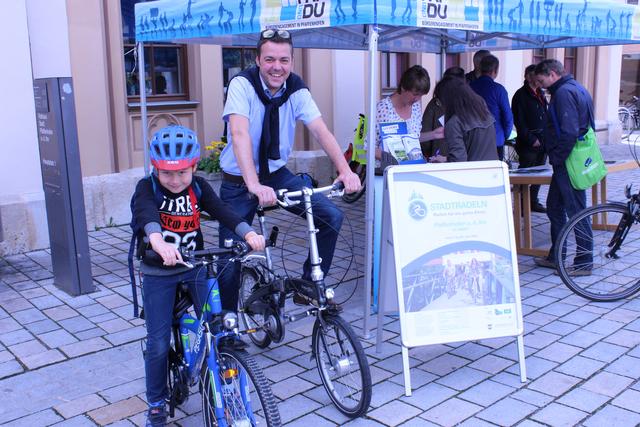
186	84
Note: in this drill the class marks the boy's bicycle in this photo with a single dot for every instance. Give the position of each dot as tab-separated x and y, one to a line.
608	234
339	356
233	388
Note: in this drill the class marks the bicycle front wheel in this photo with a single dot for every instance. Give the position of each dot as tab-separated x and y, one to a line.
342	364
584	254
246	395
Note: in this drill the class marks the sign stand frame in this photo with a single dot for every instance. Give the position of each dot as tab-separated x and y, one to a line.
390	303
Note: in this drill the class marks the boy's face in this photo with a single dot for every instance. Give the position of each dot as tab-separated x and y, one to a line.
178	180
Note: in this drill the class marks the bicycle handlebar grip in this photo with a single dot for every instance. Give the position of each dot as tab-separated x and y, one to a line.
338	186
241	248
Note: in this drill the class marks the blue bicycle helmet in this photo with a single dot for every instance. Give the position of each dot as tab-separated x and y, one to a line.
174	148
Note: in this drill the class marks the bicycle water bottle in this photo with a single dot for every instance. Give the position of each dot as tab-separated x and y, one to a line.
214	301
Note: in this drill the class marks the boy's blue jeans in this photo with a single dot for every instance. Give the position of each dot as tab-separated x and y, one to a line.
158	300
327	216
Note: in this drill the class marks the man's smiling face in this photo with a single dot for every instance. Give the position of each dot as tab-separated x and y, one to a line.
275	62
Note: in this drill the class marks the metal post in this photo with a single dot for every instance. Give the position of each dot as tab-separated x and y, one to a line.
143	107
371	150
443	56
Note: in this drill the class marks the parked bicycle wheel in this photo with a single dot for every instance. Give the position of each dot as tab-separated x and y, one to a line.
249	320
245	392
626	121
613	276
342	364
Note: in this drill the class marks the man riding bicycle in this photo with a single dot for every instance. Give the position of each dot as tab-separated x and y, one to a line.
263	104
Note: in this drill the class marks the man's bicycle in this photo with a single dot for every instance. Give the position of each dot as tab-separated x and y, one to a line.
340	359
600	250
233	389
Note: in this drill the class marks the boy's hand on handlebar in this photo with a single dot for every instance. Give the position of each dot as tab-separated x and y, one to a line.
255	240
350	180
169	253
266	196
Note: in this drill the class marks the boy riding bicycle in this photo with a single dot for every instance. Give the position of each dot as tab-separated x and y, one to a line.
167	206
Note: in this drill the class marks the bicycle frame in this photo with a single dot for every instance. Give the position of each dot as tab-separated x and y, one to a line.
206	340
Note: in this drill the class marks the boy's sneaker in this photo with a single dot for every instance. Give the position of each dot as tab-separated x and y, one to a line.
156	416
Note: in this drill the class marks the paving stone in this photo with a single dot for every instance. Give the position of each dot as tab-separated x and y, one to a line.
559	328
57	338
394	364
607	383
581	338
486	392
622	315
289	387
471	351
583	399
115	325
539	339
17	304
5	356
16	337
78	421
28	316
92	310
112	301
581	367
559	415
80	405
604	351
603	326
536	367
624	338
613	416
132	334
444	364
627	366
580	317
295	407
60	313
463	378
311	420
9	368
428	396
42	326
132	388
117	411
43	418
532	397
554	383
558	352
76	324
394	413
47	301
8	325
385	392
42	359
27	348
418	378
85	347
491	364
506	412
451	412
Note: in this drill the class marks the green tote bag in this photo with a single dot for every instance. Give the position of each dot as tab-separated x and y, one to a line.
585	164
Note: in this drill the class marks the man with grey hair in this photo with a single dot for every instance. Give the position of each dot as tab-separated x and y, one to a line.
570	115
477	57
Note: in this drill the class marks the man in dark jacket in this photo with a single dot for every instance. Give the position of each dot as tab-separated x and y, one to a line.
569	116
497	99
477	57
529	108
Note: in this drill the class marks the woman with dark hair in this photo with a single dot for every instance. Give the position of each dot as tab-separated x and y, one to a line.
404	105
469	126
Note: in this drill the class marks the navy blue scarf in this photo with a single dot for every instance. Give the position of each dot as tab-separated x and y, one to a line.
270	138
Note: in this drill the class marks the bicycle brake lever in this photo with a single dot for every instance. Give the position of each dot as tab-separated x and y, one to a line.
185	263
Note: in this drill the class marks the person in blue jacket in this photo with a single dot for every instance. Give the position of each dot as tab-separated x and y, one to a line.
497	99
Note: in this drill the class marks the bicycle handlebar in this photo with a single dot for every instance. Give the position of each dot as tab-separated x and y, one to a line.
284	196
238	249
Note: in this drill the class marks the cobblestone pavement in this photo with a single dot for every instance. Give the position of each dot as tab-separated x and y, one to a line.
77	362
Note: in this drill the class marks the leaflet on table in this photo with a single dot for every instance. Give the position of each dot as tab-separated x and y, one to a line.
397	140
460	276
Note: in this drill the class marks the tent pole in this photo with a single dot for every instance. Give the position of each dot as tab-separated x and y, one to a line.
443	56
143	106
371	132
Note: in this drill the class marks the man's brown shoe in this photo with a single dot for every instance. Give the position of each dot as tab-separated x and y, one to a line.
545	263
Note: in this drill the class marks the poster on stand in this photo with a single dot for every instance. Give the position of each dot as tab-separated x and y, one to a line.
454	252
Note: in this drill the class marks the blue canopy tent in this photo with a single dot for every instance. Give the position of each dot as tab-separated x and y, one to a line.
432	26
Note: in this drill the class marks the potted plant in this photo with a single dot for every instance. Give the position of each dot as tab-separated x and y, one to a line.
209	165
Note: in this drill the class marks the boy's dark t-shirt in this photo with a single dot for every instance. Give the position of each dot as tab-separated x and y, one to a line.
178	219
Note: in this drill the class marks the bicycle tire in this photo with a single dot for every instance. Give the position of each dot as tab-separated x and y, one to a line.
248	280
360	170
610	279
626	121
342	365
232	364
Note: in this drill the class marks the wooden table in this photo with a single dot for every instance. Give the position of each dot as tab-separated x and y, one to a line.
523	179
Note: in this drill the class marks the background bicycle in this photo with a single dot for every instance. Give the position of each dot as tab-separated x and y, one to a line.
629	116
337	351
600	255
233	389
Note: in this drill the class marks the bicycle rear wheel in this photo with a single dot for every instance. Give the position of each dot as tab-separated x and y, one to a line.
342	364
612	277
626	121
249	320
245	392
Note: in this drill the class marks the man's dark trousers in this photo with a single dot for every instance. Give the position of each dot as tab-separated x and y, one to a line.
565	201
